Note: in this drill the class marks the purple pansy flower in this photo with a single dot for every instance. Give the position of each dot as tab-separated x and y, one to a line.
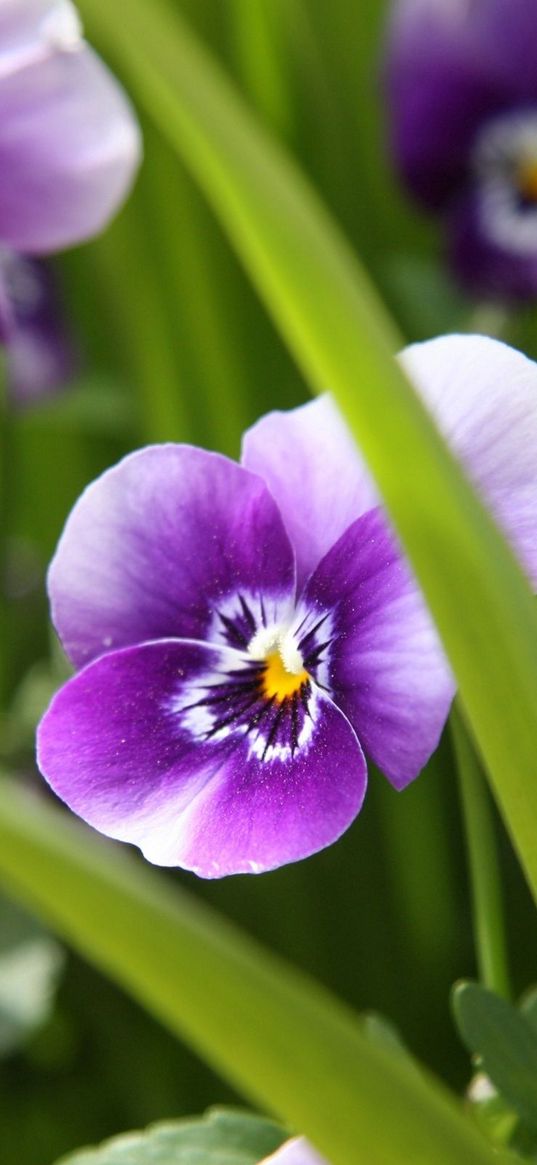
246	633
295	1152
462	87
69	148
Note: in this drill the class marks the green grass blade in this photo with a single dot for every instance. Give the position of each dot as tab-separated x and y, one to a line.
285	1042
339	333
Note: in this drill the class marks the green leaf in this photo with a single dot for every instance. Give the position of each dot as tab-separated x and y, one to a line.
288	1044
219	1138
379	1030
30	964
341	336
495	1117
528	1007
505	1042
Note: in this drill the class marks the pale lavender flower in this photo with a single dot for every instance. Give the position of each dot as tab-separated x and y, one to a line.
69	149
246	633
462	92
69	143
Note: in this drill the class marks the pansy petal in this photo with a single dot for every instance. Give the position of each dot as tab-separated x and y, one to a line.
173	541
314	471
507	43
441	85
483	397
68	138
493	247
158	745
295	1152
383	664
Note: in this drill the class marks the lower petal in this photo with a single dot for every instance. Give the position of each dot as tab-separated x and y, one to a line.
385	666
485	266
155	745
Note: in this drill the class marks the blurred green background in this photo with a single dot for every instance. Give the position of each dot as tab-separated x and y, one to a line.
176	346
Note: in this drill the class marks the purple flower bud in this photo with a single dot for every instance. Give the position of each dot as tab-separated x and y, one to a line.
461	80
69	148
69	143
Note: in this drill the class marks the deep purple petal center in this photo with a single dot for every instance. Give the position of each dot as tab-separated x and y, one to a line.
226	705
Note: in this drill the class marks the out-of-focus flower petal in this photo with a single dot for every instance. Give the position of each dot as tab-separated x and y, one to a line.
295	1152
440	88
506	34
69	142
40	355
483	397
485	266
170	746
160	545
313	469
385	667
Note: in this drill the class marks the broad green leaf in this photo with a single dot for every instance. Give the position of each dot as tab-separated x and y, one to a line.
504	1041
30	964
495	1117
339	333
220	1138
528	1007
380	1031
284	1041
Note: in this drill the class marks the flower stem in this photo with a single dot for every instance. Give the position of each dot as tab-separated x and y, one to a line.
487	898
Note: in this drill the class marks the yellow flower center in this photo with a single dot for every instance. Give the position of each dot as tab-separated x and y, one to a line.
527	180
278	683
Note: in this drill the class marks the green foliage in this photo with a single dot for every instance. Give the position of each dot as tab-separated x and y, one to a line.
30	965
220	1138
505	1041
275	1034
176	345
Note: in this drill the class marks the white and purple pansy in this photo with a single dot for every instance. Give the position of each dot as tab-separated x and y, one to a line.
462	90
245	633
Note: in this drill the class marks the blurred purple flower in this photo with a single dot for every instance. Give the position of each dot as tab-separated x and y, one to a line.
40	352
462	88
244	632
69	148
295	1152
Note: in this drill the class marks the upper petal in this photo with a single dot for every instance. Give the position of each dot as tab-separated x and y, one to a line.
170	746
295	1152
483	397
69	142
312	467
383	665
441	83
173	541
